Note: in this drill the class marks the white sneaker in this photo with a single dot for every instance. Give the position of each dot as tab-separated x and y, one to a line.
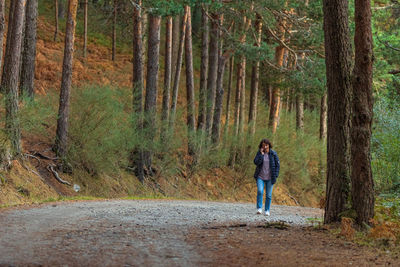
259	211
267	213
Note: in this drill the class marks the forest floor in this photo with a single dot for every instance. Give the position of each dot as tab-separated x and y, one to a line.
173	233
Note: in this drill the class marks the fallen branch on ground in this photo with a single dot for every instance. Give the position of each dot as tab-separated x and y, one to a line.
50	168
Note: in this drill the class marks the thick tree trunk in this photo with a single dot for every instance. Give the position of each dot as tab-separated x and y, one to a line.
138	84
189	82
66	80
203	71
56	19
228	95
85	29
29	54
150	105
176	30
175	88
255	76
338	67
212	71
275	105
167	77
114	31
323	117
9	83
219	97
8	40
2	29
299	111
361	177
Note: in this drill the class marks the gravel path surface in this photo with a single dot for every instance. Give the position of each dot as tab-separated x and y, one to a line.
122	232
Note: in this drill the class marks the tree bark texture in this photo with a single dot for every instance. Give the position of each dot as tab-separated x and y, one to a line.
114	30
9	33
323	117
85	29
219	97
167	77
212	71
29	54
176	30
242	96
255	76
56	19
2	29
239	74
189	82
66	81
338	68
137	83
228	95
361	177
203	70
10	80
299	111
175	89
150	105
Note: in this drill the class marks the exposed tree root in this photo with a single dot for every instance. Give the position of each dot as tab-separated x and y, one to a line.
50	168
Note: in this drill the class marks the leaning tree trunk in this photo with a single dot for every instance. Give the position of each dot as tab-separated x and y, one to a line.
2	28
189	82
167	78
212	71
203	70
255	76
85	29
114	31
29	54
299	111
137	84
150	105
322	117
338	73
9	83
66	80
178	68
361	176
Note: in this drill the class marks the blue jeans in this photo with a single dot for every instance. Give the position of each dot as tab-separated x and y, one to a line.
260	192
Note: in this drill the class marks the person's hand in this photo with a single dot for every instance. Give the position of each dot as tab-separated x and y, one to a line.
262	150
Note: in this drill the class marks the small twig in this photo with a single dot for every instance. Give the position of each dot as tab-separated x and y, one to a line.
297	203
394	72
44	156
33	171
32	156
50	168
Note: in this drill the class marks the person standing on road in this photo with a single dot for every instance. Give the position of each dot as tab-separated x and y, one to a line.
267	171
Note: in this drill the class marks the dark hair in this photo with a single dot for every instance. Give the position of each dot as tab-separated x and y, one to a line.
265	141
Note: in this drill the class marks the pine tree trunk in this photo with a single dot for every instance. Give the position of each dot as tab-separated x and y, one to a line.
175	88
150	105
114	31
228	95
218	101
9	83
66	80
323	117
203	70
242	97
189	82
338	67
56	19
239	74
29	54
85	29
275	105
2	29
212	71
299	111
138	84
60	9
176	29
255	76
361	177
167	77
8	40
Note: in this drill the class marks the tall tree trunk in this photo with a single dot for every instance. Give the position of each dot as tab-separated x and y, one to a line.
150	105
9	83
167	77
29	54
299	111
242	96
338	67
61	9
8	40
138	83
218	100
323	117
361	177
176	29
2	29
114	31
56	19
175	88
239	74
203	70
189	82
66	80
255	76
228	95
212	71
85	29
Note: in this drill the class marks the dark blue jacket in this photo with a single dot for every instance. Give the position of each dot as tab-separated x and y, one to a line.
274	165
